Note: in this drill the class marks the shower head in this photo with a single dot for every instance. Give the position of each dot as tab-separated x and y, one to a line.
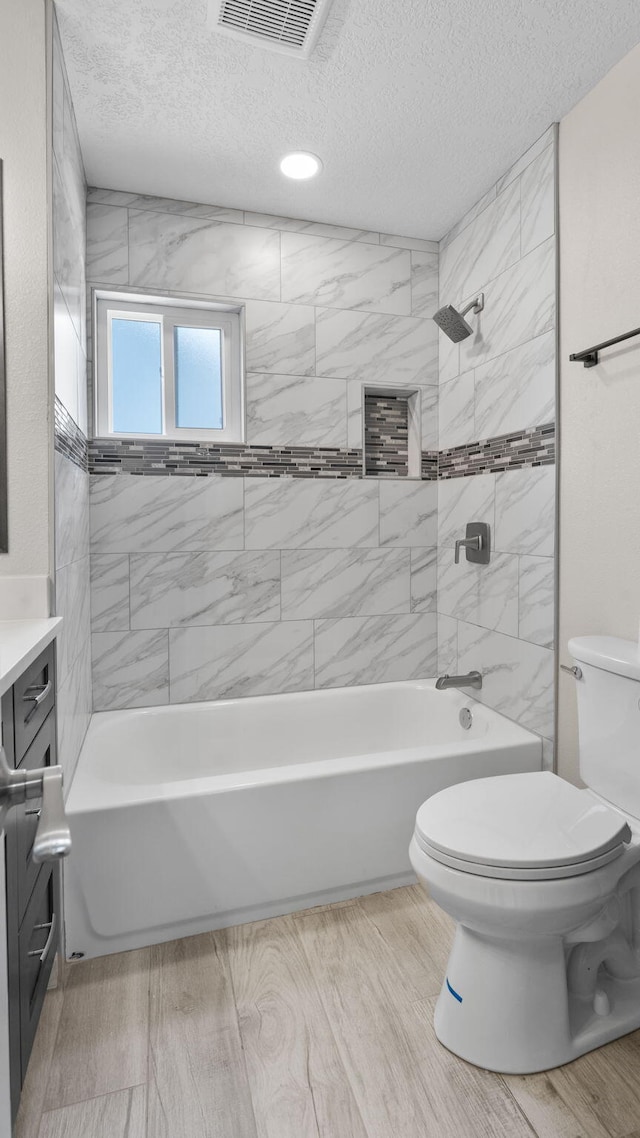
453	323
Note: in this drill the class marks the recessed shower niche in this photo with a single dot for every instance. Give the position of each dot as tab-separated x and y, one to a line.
392	442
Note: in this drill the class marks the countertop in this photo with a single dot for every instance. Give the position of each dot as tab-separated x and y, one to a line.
21	641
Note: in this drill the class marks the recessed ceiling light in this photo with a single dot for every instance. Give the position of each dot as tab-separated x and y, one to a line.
300	165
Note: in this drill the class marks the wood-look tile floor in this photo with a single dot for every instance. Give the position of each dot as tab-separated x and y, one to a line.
315	1025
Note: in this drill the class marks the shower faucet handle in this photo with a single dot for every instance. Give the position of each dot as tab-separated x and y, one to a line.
476	542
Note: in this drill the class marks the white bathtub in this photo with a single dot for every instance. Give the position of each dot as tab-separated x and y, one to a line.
197	816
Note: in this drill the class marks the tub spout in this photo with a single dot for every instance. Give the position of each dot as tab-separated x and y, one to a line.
470	680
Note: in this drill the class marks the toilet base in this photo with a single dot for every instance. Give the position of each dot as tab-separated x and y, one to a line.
505	1006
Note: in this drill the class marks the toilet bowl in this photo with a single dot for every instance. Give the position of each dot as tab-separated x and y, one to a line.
543	880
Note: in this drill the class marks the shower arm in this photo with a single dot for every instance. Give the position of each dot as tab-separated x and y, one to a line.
476	305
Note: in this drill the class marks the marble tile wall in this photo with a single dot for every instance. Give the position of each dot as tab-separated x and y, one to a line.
214	586
499	384
205	588
72	581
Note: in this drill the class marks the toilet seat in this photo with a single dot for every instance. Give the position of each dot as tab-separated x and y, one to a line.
530	826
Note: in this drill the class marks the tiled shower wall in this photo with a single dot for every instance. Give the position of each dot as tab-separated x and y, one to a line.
71	476
290	570
500	382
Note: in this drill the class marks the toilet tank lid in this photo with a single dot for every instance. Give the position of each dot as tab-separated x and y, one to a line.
610	653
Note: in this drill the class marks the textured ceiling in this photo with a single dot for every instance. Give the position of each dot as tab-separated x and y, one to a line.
415	106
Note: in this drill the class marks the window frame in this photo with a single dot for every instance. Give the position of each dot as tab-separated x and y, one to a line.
171	312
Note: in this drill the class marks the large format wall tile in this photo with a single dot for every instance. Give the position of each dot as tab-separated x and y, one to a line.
376	649
482	594
447	645
70	365
294	410
74	705
109	592
408	512
68	251
462	500
517	676
525	160
538	200
345	274
488	246
423	580
107	244
517	390
163	205
204	588
73	605
130	669
424	284
297	513
536	600
525	511
316	228
196	255
376	348
72	511
137	514
240	660
518	305
420	244
350	582
281	338
456	411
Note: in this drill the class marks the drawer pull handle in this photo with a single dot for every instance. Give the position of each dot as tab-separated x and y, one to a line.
53	836
43	953
36	695
32	813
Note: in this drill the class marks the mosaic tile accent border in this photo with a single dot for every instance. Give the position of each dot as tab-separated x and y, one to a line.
68	438
136	456
518	449
386	435
535	447
430	465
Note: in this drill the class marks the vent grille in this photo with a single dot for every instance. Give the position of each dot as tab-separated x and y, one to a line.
290	26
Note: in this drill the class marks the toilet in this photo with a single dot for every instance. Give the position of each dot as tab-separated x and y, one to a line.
543	881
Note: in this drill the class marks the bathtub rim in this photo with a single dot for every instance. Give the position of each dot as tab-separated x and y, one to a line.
87	790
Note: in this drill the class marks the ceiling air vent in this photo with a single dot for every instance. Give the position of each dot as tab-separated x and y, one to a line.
290	26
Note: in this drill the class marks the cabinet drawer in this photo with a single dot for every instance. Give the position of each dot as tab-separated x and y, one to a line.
33	698
41	753
37	949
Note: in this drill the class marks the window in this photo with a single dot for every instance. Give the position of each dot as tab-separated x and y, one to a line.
167	368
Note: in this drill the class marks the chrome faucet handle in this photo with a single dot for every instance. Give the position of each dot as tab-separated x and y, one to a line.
467	543
477	542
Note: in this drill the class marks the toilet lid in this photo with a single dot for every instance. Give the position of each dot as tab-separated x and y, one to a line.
519	821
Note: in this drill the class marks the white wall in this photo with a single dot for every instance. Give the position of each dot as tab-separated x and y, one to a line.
23	149
599	407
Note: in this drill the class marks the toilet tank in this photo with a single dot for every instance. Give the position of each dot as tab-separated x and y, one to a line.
609	718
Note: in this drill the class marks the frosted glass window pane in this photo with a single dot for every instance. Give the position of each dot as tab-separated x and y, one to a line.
198	378
136	376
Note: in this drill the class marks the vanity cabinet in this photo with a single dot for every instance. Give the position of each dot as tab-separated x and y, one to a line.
32	890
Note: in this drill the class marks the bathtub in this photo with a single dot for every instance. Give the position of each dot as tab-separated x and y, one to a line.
197	816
